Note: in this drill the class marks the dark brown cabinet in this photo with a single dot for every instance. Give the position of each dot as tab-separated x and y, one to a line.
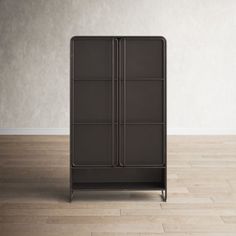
118	113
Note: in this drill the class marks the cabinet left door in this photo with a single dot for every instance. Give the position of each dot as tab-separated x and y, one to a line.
93	107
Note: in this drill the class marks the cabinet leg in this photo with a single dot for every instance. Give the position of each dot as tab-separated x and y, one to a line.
164	195
71	195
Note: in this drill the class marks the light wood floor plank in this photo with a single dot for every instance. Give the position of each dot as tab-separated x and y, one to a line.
179	212
79	228
200	228
142	219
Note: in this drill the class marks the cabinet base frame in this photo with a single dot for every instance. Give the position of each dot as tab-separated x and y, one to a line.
128	178
136	187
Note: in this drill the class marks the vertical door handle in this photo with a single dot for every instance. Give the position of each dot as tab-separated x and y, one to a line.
124	100
120	102
112	104
117	101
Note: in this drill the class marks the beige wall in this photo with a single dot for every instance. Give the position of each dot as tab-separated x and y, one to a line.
34	58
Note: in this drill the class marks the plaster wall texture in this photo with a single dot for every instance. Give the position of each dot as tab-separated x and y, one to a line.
201	63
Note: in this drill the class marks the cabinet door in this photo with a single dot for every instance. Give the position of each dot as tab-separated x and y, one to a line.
93	101
143	119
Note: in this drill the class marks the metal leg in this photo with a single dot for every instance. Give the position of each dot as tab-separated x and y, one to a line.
71	195
164	195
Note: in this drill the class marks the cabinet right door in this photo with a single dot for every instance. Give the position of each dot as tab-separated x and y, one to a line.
143	101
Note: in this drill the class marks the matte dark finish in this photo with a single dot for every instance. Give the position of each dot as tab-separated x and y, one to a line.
94	57
118	175
144	145
144	58
118	113
92	101
91	142
144	101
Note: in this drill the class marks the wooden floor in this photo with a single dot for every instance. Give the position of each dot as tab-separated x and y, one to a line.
34	183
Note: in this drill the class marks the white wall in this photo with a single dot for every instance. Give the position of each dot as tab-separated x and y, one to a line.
34	58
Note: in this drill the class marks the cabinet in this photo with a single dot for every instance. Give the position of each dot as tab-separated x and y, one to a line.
118	113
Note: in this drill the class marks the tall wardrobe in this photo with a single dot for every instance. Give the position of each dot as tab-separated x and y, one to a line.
118	113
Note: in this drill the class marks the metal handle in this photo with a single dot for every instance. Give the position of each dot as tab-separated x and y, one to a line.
122	77
120	163
117	101
124	99
112	104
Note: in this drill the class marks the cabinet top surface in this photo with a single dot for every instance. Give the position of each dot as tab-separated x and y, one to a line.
118	36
